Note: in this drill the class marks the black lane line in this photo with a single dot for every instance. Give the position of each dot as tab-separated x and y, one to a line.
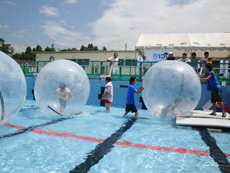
215	151
54	110
31	128
103	148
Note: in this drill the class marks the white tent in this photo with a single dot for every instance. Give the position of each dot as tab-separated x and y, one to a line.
217	44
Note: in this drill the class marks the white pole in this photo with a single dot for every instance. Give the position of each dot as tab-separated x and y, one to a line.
111	67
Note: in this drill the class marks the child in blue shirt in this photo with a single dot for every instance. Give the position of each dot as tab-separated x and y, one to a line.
130	103
213	85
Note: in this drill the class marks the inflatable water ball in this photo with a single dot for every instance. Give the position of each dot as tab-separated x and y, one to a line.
171	88
12	88
62	87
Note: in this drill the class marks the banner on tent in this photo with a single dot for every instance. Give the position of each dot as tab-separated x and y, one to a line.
156	55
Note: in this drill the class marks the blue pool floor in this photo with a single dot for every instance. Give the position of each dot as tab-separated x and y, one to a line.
149	145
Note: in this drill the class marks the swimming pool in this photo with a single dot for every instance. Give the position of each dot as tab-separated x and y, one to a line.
96	141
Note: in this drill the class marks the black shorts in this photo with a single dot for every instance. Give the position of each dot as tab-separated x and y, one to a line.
216	95
131	108
62	102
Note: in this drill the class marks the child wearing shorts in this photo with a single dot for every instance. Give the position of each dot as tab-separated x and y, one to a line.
130	103
63	92
108	93
214	87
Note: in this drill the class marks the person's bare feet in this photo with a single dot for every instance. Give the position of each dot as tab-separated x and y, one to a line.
212	114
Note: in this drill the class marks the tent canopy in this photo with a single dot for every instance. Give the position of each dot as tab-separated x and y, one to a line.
187	41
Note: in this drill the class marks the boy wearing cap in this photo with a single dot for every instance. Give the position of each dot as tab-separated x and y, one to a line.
63	92
171	56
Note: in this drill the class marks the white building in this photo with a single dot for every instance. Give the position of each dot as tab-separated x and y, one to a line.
128	55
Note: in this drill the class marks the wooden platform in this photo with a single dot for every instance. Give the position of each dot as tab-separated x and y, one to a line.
202	118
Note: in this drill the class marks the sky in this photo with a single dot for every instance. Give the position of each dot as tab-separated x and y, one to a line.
110	23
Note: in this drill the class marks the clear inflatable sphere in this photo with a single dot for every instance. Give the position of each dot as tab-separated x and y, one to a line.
171	89
12	88
62	87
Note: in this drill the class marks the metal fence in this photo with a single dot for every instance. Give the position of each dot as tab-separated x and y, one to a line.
96	69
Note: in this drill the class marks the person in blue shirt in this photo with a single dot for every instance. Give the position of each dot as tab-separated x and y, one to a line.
213	85
130	103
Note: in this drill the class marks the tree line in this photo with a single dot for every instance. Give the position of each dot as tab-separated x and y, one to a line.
29	53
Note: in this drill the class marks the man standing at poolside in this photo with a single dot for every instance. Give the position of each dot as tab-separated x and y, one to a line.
205	59
195	61
171	56
114	60
184	58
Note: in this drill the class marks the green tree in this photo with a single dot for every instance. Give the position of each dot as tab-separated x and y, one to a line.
90	46
23	56
104	48
28	54
83	48
38	48
49	49
95	48
6	48
16	56
28	50
64	50
73	49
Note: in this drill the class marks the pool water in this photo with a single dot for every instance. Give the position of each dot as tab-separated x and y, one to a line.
95	141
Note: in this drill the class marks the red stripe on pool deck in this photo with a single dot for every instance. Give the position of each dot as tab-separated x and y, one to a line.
125	144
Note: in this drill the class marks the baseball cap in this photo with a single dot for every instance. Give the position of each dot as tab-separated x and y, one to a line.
170	53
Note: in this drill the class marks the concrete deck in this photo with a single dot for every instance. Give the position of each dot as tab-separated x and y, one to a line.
202	118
